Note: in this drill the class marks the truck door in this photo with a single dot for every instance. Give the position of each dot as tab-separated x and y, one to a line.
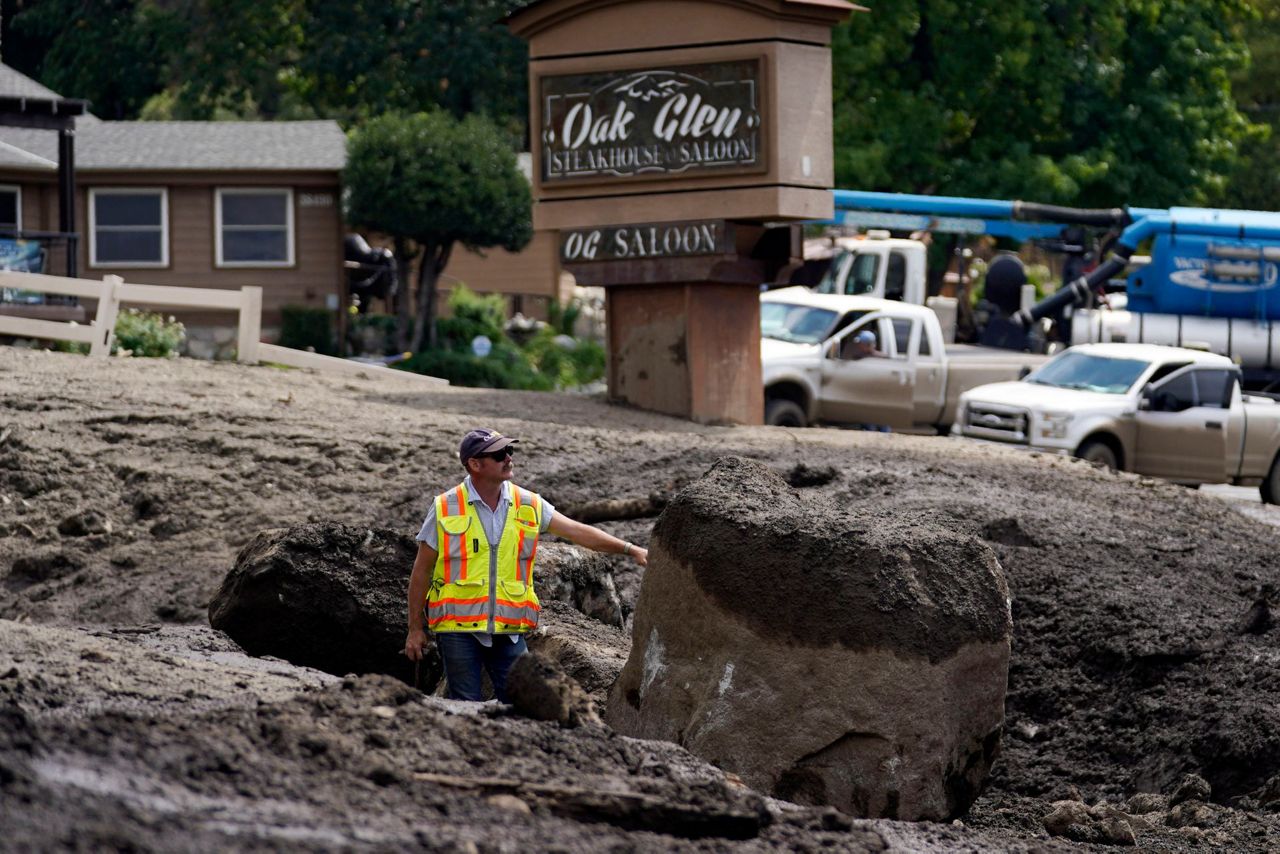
866	388
929	377
1182	431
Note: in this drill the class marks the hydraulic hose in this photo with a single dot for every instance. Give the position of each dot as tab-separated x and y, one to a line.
1078	291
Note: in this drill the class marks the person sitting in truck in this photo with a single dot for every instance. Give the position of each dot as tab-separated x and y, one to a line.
862	345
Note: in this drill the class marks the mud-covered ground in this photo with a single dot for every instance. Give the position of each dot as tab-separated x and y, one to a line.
1144	647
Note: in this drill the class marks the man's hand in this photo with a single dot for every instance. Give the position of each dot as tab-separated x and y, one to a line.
640	555
413	644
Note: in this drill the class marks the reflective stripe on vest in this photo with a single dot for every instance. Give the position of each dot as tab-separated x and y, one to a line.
454	548
524	566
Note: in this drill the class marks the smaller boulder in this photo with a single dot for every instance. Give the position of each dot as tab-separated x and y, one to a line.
540	689
1192	787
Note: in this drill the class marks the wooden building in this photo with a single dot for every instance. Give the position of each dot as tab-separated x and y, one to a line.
192	204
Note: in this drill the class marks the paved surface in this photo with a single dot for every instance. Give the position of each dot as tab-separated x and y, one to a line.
1245	499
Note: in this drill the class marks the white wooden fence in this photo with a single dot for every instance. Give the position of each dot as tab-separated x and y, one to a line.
113	290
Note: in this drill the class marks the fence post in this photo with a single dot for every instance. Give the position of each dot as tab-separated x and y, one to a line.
105	323
250	325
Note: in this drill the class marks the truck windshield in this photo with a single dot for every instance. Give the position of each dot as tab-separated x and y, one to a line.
862	276
830	281
801	324
1089	373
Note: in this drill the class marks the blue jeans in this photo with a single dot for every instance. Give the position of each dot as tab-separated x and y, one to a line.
464	656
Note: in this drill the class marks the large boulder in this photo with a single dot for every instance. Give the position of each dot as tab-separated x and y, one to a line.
323	595
825	658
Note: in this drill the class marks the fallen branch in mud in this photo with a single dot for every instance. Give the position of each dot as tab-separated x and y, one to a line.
618	509
629	810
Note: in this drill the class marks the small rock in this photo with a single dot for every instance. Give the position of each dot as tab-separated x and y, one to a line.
802	475
384	712
1192	787
510	803
1257	620
95	655
1146	802
1270	791
84	524
383	775
44	567
1064	814
1190	814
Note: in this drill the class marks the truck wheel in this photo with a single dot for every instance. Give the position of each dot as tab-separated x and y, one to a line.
781	412
1099	453
1270	487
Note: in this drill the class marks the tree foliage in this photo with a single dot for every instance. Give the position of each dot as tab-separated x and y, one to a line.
430	181
209	59
1083	102
1255	182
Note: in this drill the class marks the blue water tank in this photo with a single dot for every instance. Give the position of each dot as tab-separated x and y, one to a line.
1209	276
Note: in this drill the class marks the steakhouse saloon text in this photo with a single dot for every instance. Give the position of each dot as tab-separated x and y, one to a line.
651	121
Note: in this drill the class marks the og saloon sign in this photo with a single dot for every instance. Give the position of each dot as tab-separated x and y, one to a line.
635	242
652	122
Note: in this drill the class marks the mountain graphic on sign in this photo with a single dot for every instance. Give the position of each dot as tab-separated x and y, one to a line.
647	87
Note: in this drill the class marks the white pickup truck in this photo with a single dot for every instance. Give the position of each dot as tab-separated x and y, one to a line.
908	378
1163	411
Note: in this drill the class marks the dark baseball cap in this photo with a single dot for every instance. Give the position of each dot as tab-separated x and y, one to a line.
482	441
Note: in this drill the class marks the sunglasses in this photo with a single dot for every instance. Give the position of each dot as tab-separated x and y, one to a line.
497	456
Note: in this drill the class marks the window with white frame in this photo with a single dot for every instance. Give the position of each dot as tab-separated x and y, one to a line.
254	227
128	227
10	209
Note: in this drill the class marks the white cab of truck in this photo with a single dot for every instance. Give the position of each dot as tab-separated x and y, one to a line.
901	374
878	266
1168	412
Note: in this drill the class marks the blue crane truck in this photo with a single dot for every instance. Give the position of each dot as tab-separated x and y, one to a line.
1208	278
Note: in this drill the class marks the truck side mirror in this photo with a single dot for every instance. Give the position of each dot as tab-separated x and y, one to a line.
1024	372
1146	402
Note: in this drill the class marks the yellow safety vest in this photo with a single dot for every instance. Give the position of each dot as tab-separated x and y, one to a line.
476	588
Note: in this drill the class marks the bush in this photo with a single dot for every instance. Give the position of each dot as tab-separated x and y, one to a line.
307	328
547	361
472	315
138	333
372	334
497	370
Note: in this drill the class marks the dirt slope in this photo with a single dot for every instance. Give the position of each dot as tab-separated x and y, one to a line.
126	488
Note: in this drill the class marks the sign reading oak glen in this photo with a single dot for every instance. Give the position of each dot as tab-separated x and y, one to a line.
658	240
623	124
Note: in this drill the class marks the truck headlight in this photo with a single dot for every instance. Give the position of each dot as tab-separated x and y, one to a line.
1054	425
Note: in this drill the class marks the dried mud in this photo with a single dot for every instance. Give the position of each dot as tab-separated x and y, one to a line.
1144	649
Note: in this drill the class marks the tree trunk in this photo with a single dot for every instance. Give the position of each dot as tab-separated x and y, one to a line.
434	259
403	296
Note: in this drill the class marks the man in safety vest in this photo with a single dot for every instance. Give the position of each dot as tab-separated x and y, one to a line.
474	569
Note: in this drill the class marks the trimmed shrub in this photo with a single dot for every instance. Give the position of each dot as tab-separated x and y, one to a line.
307	328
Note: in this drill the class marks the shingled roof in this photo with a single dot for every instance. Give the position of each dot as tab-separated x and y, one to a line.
170	146
193	146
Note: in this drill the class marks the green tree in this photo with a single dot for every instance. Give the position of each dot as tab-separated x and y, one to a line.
109	52
1255	183
366	57
1086	102
430	182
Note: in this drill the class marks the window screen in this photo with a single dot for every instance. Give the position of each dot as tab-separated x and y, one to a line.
9	209
255	227
128	227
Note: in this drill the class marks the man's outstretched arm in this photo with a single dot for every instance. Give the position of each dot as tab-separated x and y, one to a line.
595	539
